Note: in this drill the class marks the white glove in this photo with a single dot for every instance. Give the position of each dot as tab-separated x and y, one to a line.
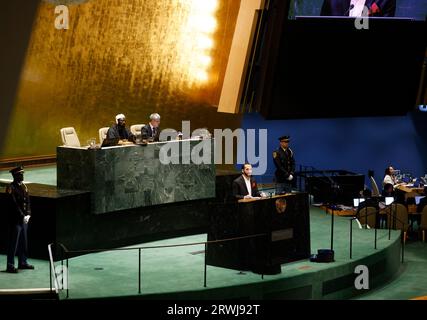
248	197
291	177
26	219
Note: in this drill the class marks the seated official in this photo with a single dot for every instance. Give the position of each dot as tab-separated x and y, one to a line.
151	131
423	201
245	187
389	177
119	130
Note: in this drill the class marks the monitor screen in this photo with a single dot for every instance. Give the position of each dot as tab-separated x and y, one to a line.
389	200
413	9
417	199
357	202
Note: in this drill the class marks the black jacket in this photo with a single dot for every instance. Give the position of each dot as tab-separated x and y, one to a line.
18	203
117	133
147	133
285	164
377	8
240	190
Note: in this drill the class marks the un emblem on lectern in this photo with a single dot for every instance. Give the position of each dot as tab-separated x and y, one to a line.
281	205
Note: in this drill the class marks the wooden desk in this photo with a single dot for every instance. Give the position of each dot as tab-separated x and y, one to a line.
409	192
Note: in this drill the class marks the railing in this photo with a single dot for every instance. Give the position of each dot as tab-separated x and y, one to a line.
390	214
66	254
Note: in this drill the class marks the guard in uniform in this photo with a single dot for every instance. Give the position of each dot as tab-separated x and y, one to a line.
19	214
285	166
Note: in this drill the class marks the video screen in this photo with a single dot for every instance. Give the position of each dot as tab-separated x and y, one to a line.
412	9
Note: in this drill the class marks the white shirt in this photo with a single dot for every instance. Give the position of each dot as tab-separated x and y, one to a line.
389	179
357	10
248	185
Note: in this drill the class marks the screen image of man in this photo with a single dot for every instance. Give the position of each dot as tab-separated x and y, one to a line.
18	216
355	8
284	161
119	130
151	131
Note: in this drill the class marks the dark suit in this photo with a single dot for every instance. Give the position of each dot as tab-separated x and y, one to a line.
122	133
147	133
377	8
285	166
18	207
240	190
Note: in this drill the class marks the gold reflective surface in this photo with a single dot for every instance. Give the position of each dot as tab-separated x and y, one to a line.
130	56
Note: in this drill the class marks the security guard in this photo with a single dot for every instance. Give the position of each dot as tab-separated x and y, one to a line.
285	166
19	214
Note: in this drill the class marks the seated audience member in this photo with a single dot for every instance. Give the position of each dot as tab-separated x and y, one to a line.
389	177
151	131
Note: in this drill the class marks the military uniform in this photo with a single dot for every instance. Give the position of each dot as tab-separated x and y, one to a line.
18	215
285	168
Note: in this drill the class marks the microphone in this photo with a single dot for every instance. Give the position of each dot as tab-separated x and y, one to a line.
349	9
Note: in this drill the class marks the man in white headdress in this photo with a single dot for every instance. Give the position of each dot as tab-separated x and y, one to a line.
119	130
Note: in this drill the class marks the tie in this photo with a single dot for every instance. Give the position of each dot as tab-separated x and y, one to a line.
154	132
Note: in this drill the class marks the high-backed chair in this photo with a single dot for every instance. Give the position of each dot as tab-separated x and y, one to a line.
423	225
366	216
103	134
400	212
136	129
375	190
69	137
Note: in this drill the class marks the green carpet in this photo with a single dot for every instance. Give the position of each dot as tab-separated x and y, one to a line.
411	282
180	270
42	175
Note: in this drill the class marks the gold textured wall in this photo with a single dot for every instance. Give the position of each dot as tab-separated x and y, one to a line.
121	56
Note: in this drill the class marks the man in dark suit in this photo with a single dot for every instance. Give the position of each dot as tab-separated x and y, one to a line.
18	216
245	187
376	8
119	130
284	161
151	131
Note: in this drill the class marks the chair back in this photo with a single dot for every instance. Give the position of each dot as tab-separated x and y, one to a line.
136	129
400	222
423	224
375	190
103	134
366	216
69	137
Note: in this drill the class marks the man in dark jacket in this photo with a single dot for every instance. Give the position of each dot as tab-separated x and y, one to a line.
19	214
119	130
151	131
245	187
284	161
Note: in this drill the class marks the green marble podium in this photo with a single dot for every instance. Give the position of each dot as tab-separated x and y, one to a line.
126	177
